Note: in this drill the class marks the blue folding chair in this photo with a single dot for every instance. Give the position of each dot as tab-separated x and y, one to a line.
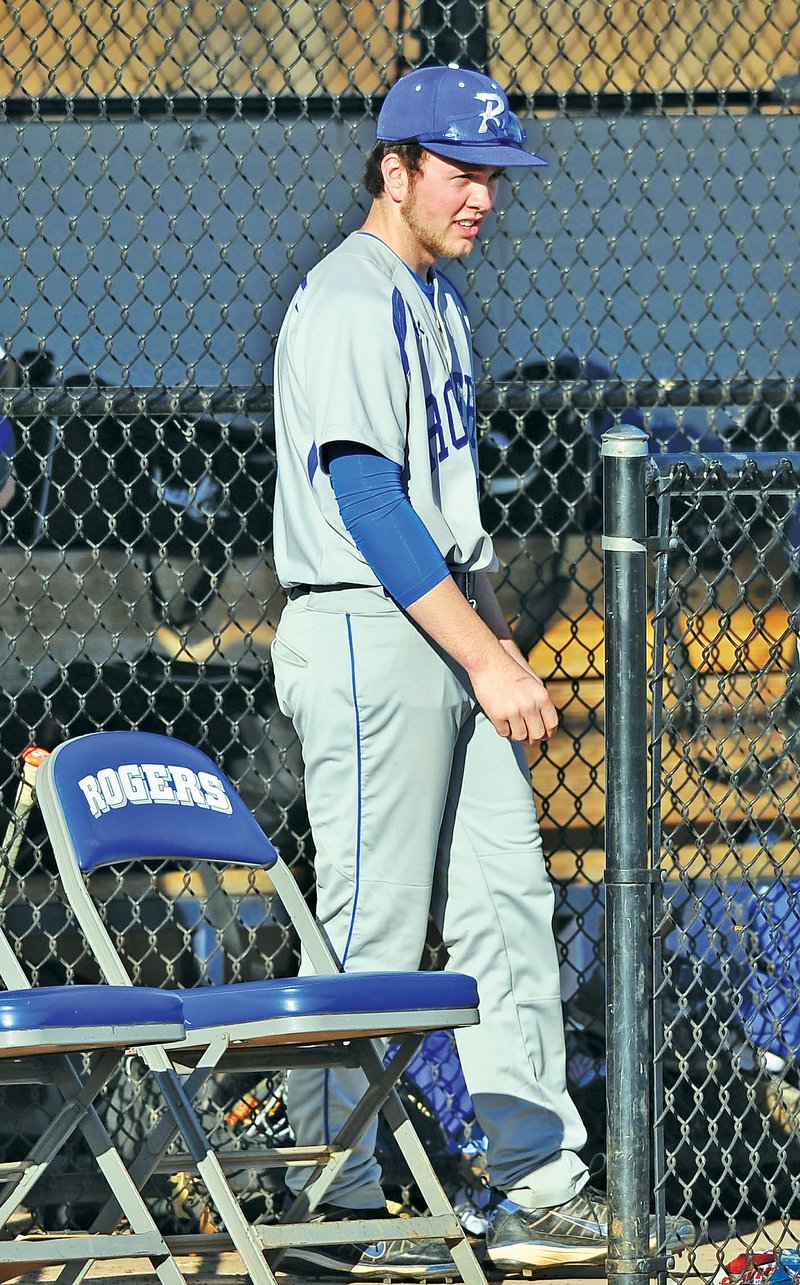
42	1032
118	798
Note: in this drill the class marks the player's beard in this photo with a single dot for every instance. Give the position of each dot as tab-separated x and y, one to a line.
437	245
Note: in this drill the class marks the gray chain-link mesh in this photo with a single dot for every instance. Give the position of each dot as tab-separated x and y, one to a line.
168	173
724	806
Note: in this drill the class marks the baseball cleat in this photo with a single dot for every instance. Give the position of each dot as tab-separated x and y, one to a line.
575	1232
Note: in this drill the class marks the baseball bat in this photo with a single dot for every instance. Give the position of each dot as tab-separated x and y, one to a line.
32	758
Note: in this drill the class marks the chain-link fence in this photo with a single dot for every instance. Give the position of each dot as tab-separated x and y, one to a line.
707	642
727	833
167	177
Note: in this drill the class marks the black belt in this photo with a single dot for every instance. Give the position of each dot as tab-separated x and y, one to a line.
465	580
300	590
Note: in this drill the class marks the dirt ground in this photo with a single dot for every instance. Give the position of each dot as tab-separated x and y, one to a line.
225	1268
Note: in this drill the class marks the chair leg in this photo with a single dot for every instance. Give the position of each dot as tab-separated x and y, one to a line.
426	1178
129	1197
250	1244
79	1112
67	1119
155	1146
382	1096
182	1118
146	1159
244	1239
382	1081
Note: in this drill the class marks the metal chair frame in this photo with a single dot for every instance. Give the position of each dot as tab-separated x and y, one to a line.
44	1035
330	1018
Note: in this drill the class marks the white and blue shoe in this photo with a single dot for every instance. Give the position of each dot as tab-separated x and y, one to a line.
575	1232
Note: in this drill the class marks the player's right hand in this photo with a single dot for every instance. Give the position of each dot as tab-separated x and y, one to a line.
515	700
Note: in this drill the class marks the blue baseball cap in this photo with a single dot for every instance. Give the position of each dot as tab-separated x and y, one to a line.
459	114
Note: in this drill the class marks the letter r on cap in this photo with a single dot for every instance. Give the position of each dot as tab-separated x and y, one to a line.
493	108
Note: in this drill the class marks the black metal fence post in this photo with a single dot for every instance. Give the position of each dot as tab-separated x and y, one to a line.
628	908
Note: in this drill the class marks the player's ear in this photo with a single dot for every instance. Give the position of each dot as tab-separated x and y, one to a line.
395	176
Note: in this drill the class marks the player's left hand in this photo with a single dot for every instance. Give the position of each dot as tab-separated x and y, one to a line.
549	711
509	646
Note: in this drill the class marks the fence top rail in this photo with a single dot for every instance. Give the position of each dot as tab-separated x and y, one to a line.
519	396
744	472
97	401
86	105
623	394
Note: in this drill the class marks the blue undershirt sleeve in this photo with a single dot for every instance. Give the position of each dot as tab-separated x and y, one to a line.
388	533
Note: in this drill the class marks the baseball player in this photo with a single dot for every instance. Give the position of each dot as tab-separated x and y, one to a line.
411	701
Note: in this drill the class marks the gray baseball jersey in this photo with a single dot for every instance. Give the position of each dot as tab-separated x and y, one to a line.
416	804
365	355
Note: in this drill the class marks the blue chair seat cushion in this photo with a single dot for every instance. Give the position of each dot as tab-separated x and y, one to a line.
342	993
66	1007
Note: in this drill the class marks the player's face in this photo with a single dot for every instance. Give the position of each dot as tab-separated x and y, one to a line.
445	206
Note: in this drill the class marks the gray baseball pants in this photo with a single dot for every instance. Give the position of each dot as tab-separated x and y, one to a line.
418	807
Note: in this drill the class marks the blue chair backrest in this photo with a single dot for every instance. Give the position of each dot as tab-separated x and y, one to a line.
129	795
